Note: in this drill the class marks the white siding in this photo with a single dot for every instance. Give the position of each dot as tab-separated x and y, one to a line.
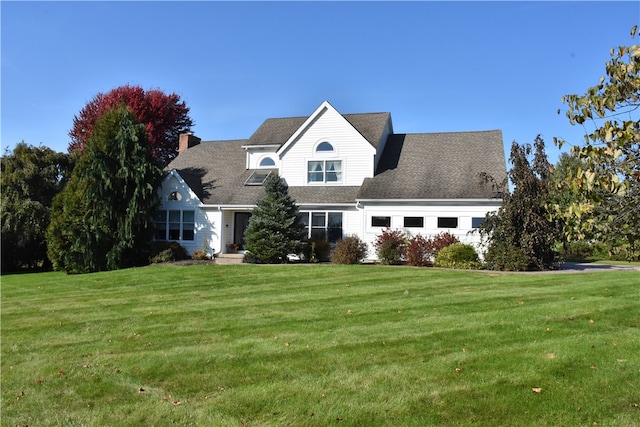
356	154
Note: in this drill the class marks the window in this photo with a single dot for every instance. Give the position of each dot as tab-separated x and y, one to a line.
324	147
267	162
174	225
324	171
175	196
380	221
324	225
476	221
257	177
447	222
414	221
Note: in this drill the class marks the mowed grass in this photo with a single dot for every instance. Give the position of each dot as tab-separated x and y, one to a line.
320	345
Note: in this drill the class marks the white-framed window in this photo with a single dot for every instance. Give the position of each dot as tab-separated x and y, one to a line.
447	222
413	221
324	147
381	221
174	224
322	225
267	162
476	221
324	171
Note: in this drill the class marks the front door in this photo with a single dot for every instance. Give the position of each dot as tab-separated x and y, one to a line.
240	223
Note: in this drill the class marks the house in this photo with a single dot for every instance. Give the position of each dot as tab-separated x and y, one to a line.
350	174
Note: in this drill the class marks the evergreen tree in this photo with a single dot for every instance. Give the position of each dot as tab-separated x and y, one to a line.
102	219
520	235
274	230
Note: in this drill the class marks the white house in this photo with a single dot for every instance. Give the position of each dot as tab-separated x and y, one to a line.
350	174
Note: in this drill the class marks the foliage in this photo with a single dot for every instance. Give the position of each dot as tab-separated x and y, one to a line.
317	250
167	251
285	345
420	251
520	235
102	219
350	250
390	246
31	177
164	117
274	230
608	182
458	255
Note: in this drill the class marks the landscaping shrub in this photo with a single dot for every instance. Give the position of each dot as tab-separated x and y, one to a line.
507	258
390	246
164	251
442	240
577	251
420	251
458	255
200	255
350	250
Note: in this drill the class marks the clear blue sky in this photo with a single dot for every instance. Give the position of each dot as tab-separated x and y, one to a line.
436	66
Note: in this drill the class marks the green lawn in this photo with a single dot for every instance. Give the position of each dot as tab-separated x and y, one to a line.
319	345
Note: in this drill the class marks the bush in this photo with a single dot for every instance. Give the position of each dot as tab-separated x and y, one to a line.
350	250
163	251
442	240
390	246
507	258
577	251
458	255
420	251
201	255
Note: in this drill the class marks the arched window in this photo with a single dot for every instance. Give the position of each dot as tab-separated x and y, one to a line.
324	147
175	196
267	162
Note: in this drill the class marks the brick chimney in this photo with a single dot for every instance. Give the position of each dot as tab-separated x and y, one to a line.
187	140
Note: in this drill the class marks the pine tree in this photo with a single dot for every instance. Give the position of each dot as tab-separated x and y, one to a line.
274	230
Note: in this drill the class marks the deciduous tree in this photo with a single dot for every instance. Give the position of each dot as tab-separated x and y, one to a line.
608	183
164	117
520	235
102	219
31	176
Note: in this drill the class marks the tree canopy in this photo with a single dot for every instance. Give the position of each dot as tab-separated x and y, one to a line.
31	176
520	235
102	219
164	117
274	230
607	184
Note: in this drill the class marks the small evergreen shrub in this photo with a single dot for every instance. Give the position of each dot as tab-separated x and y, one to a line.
420	251
390	246
163	251
350	250
458	255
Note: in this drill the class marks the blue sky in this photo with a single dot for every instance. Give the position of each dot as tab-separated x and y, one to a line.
436	66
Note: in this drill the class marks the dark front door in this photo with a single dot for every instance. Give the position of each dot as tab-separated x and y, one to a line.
240	223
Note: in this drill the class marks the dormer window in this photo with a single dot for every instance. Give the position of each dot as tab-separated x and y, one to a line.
324	147
267	162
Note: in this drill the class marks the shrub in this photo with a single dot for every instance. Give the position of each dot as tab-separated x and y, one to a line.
457	255
577	251
442	240
420	251
163	251
200	255
350	250
507	258
390	246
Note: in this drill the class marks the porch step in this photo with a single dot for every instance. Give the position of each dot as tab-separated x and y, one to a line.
229	258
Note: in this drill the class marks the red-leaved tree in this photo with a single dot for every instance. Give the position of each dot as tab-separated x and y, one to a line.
164	116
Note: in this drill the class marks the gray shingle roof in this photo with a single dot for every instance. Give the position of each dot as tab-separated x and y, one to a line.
437	166
278	131
412	166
